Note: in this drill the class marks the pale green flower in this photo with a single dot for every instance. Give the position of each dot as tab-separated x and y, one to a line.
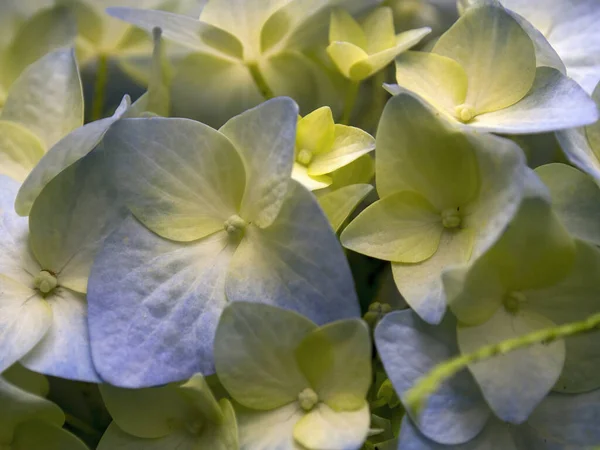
445	197
360	50
185	416
483	73
323	147
299	386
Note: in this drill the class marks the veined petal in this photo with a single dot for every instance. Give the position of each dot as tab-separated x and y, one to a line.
345	55
496	54
402	227
264	138
64	351
276	265
47	98
269	430
254	354
181	178
197	35
349	144
409	348
554	102
325	428
439	80
573	299
20	150
154	306
64	153
377	61
421	284
25	318
513	384
212	89
316	131
70	219
312	183
336	360
379	30
575	200
339	204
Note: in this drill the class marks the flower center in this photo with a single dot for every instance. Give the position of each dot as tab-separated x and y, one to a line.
235	225
45	282
304	157
512	302
195	427
308	399
451	218
464	112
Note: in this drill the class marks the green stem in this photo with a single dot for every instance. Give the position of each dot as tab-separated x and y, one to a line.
417	396
260	81
350	101
100	87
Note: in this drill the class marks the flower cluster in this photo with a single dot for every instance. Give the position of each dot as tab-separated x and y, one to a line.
319	225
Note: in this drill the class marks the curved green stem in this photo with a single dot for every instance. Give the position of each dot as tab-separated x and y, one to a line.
350	101
260	81
100	87
416	398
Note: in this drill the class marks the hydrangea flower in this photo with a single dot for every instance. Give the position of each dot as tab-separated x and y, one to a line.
322	147
28	421
360	50
482	73
242	59
535	277
457	416
217	219
445	197
185	416
44	266
42	106
298	385
569	26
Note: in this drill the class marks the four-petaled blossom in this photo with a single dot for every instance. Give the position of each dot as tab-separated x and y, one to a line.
298	385
482	73
445	197
360	50
217	219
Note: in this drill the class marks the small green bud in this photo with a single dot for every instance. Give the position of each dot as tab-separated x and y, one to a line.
451	218
304	157
388	393
308	399
464	112
235	224
45	282
376	312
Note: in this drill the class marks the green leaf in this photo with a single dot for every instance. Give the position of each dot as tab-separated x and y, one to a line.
336	360
575	200
339	204
188	179
402	227
496	54
254	354
20	150
47	98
